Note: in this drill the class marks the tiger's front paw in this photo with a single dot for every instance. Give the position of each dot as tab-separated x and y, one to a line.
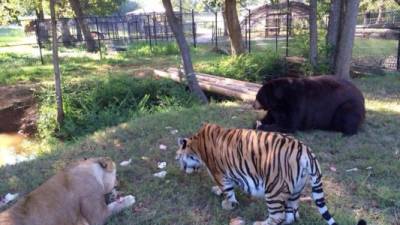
228	205
216	190
291	217
260	223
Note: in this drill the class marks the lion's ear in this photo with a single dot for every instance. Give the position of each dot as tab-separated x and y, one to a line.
106	163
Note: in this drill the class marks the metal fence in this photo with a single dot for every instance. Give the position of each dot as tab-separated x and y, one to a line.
116	32
281	27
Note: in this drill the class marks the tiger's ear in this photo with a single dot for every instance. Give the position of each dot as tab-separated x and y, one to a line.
182	142
204	123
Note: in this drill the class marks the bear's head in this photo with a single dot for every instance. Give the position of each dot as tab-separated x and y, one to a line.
271	94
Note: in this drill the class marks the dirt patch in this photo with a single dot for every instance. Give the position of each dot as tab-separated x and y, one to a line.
18	109
142	72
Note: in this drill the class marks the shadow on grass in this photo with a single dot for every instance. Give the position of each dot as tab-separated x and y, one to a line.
380	87
186	199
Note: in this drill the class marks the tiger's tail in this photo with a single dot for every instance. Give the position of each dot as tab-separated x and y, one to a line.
318	192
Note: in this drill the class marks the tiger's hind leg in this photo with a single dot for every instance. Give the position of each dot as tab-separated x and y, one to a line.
276	204
291	210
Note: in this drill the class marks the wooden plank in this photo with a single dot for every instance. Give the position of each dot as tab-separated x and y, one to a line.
243	90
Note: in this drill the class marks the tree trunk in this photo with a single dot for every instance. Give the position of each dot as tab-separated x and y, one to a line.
365	18
235	34
65	33
77	8
78	31
345	47
225	21
333	31
57	76
39	10
381	10
176	28
313	33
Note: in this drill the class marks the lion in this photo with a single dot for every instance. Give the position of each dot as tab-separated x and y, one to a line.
73	196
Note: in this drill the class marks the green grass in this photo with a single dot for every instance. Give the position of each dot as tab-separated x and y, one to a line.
10	35
378	48
143	49
251	67
186	199
100	102
366	52
114	108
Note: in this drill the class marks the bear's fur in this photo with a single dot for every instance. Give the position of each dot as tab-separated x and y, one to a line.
321	102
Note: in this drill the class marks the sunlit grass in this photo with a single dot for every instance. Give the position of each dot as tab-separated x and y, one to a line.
383	106
374	47
10	35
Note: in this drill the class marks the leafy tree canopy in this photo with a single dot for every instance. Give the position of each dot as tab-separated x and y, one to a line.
11	10
374	5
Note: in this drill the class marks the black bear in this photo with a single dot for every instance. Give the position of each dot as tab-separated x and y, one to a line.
320	102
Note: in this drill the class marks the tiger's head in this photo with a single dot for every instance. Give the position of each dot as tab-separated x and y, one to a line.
187	157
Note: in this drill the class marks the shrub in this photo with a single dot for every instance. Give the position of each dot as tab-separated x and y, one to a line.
300	46
250	67
144	49
93	104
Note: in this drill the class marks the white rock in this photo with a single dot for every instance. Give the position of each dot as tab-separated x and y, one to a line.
352	170
174	131
163	147
160	174
161	165
125	163
9	197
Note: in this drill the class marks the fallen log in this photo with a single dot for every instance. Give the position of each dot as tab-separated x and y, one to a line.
213	78
242	90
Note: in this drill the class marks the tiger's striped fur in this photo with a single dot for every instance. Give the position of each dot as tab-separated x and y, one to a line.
263	164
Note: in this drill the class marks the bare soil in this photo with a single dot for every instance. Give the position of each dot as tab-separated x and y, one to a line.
18	109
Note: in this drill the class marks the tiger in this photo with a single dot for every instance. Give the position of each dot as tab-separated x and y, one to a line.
263	164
